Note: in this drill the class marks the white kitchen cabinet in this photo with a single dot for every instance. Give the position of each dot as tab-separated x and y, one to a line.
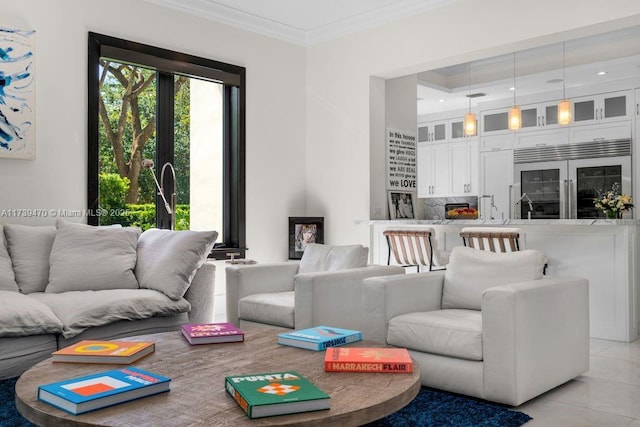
602	131
433	131
602	108
494	122
434	170
541	138
497	142
539	116
456	129
464	167
496	179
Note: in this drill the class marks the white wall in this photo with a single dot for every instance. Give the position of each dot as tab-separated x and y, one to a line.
275	108
308	111
339	75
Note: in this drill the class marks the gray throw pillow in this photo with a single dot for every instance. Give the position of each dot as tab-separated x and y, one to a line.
168	260
84	257
7	277
29	247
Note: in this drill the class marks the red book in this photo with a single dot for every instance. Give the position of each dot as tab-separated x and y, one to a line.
361	359
211	333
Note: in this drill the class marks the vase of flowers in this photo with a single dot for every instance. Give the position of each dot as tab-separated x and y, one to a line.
612	203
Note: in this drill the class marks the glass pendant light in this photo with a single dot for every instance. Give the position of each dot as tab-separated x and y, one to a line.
564	106
469	118
515	114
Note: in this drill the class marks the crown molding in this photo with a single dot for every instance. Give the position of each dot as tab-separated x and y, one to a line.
250	22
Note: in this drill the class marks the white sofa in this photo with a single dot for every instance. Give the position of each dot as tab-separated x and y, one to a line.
62	284
323	288
490	326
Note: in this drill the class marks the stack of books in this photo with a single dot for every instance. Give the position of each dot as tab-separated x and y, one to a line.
363	359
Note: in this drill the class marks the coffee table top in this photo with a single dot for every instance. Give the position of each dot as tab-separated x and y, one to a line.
198	397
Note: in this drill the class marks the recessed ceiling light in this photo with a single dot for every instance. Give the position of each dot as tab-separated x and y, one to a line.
512	88
602	73
440	100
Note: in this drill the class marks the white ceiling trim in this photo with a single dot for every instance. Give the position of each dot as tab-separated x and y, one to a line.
258	24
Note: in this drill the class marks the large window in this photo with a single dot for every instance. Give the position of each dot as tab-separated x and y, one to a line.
162	118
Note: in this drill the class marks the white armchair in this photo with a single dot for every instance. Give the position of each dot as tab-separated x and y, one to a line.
489	326
323	288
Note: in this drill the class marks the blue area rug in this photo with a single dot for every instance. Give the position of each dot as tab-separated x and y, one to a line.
430	408
433	408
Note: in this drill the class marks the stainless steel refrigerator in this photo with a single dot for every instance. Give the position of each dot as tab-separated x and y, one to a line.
561	182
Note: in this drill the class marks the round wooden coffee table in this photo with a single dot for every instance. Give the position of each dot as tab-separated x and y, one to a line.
198	397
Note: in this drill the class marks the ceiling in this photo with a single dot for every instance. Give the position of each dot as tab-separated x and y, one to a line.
537	71
304	22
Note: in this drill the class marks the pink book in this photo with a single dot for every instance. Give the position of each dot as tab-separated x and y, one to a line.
210	333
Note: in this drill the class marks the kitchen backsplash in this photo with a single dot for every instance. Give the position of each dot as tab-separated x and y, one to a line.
434	206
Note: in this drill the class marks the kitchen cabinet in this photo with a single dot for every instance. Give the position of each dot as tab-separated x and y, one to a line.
539	116
456	129
603	131
433	170
494	122
433	131
464	167
496	179
540	138
497	142
449	169
602	108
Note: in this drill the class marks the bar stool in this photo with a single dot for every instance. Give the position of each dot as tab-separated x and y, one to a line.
494	239
415	248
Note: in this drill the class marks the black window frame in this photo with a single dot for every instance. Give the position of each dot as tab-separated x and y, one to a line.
167	63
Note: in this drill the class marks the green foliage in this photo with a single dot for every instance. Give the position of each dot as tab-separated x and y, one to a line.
113	189
144	216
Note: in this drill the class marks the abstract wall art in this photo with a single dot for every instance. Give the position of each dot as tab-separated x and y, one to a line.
17	94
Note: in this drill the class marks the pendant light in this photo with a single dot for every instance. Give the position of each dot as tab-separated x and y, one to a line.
515	114
564	106
469	118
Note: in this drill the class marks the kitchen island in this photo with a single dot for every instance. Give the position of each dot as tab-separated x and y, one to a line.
604	251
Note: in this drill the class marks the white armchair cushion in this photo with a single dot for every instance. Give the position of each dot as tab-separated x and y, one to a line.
275	308
454	333
471	271
317	257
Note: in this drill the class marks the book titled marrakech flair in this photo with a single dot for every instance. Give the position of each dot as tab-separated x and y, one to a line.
319	337
361	359
211	333
275	393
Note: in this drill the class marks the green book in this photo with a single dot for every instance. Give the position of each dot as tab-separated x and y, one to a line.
276	393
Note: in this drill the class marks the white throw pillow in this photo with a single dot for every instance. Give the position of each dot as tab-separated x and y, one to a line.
7	277
29	248
471	271
168	260
317	257
84	257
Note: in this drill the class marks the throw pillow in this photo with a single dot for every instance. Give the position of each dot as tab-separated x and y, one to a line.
168	260
84	257
7	276
29	247
318	257
471	271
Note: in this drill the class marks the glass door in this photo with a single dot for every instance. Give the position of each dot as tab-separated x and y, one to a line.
590	176
540	192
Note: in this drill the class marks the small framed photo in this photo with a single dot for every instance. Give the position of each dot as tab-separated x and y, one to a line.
401	205
302	231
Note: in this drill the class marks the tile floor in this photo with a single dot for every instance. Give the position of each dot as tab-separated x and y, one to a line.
606	396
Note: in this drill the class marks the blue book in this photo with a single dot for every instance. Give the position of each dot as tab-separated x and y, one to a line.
319	338
96	391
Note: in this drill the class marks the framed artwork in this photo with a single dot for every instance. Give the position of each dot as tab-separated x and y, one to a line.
401	205
302	231
17	94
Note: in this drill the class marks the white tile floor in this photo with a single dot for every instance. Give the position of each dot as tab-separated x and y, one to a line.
606	396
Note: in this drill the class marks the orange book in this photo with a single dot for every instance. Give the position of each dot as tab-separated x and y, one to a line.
96	351
361	359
